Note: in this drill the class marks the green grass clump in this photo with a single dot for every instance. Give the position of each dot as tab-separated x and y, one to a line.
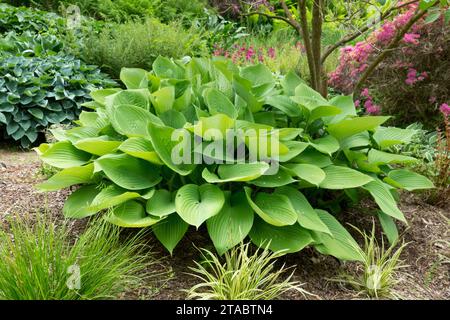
41	261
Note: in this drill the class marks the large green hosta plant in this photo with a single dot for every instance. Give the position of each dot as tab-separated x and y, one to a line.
122	153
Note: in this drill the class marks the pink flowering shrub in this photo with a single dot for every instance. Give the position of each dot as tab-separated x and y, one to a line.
412	83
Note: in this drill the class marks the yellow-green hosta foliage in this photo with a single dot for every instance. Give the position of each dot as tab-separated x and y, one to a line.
124	154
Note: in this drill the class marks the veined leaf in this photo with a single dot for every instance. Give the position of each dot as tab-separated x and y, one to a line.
408	180
275	209
68	177
99	146
387	137
131	214
111	196
64	155
380	158
350	127
196	204
290	239
279	179
140	148
307	216
134	78
170	231
384	198
232	224
132	121
77	204
161	204
307	172
236	172
389	227
326	144
129	172
219	103
343	178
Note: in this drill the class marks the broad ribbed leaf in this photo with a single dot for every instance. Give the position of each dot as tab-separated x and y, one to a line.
275	209
196	204
232	224
289	238
64	155
163	99
99	146
343	178
386	137
77	204
326	144
285	104
169	145
68	177
132	121
380	158
140	148
349	127
111	196
138	98
307	216
308	97
170	231
131	214
340	244
307	172
323	111
161	204
295	148
236	172
408	180
129	172
389	227
281	178
134	78
311	156
217	103
384	198
214	127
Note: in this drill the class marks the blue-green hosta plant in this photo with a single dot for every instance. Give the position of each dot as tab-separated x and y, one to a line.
204	143
40	85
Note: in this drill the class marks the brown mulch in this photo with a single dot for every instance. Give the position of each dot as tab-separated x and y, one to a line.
427	254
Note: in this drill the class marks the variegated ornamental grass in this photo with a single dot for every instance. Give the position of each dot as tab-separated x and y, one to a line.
121	155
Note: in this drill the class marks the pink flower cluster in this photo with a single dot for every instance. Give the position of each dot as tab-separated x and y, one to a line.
445	109
354	60
243	54
369	105
413	76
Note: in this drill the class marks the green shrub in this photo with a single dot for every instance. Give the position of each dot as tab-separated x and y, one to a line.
40	86
241	276
25	19
291	149
40	261
137	44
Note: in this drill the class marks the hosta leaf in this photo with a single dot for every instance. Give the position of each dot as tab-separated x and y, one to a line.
134	78
289	238
340	244
77	204
361	139
36	112
68	177
408	180
129	172
281	178
387	137
291	81
196	204
285	104
217	102
287	134
343	178
310	156
307	216
275	209
347	106
170	231
389	227
165	141
236	172
132	121
161	204
308	97
140	148
64	155
137	98
232	224
131	214
326	144
111	196
214	127
380	158
307	172
295	148
323	111
165	68
349	127
99	146
101	94
163	99
257	74
384	198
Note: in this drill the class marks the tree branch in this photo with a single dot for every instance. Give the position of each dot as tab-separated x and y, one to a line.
269	16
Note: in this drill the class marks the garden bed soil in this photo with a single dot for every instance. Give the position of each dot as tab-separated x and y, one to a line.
427	255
